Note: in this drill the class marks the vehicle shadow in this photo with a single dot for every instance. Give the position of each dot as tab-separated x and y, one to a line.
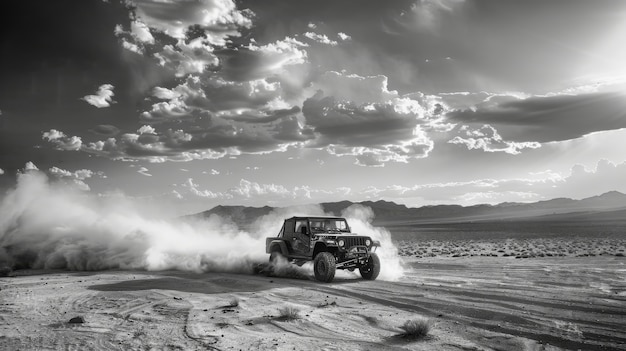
211	283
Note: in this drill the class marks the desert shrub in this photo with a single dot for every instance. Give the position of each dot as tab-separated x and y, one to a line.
234	302
288	313
416	328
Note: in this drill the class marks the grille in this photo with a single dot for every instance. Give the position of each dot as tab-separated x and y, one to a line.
355	241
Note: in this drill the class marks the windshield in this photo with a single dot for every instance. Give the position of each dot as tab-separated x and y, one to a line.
329	225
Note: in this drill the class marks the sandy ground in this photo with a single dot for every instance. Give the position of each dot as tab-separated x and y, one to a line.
472	303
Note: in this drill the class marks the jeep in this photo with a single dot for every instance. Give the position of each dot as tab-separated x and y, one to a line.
328	242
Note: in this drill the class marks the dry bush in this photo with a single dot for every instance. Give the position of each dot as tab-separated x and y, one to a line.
288	313
234	302
416	328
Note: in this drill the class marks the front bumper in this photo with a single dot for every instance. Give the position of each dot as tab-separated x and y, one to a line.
354	257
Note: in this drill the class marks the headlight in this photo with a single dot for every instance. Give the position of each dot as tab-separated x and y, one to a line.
341	243
368	242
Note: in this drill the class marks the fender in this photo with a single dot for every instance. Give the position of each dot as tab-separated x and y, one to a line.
281	245
319	247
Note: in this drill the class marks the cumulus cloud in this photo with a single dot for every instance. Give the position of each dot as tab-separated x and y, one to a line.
270	193
260	97
186	58
30	166
362	118
193	188
200	97
217	139
62	141
350	115
321	38
218	19
102	98
146	130
182	35
1	171
141	31
76	178
344	36
486	138
131	47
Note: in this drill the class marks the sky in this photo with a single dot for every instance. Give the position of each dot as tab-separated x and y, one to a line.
197	103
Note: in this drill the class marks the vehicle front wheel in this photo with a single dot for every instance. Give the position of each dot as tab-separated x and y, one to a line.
324	266
371	268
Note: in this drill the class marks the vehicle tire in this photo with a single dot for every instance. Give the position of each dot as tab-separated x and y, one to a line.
324	266
371	268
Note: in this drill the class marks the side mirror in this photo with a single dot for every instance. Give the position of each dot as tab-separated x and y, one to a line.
303	230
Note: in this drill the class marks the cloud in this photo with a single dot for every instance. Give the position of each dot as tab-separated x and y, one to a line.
105	130
218	19
583	182
76	178
144	171
182	35
62	141
550	118
200	97
578	183
344	36
1	171
246	189
321	38
102	98
217	139
355	88
350	115
192	188
146	130
359	116
141	31
131	47
486	138
256	61
186	58
427	15
30	166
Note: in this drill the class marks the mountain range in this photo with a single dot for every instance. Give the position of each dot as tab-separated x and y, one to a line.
608	205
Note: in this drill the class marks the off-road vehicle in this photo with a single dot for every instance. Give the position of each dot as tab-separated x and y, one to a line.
327	241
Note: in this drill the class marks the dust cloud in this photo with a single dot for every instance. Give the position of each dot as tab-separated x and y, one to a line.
360	220
51	225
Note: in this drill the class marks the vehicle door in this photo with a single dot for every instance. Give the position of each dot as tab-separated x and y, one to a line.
301	241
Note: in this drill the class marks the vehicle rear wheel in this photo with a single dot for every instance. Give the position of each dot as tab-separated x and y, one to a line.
276	256
324	266
371	268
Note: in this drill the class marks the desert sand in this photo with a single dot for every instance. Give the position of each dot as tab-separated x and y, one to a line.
471	303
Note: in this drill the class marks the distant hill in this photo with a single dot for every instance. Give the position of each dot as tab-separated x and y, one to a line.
238	214
613	203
